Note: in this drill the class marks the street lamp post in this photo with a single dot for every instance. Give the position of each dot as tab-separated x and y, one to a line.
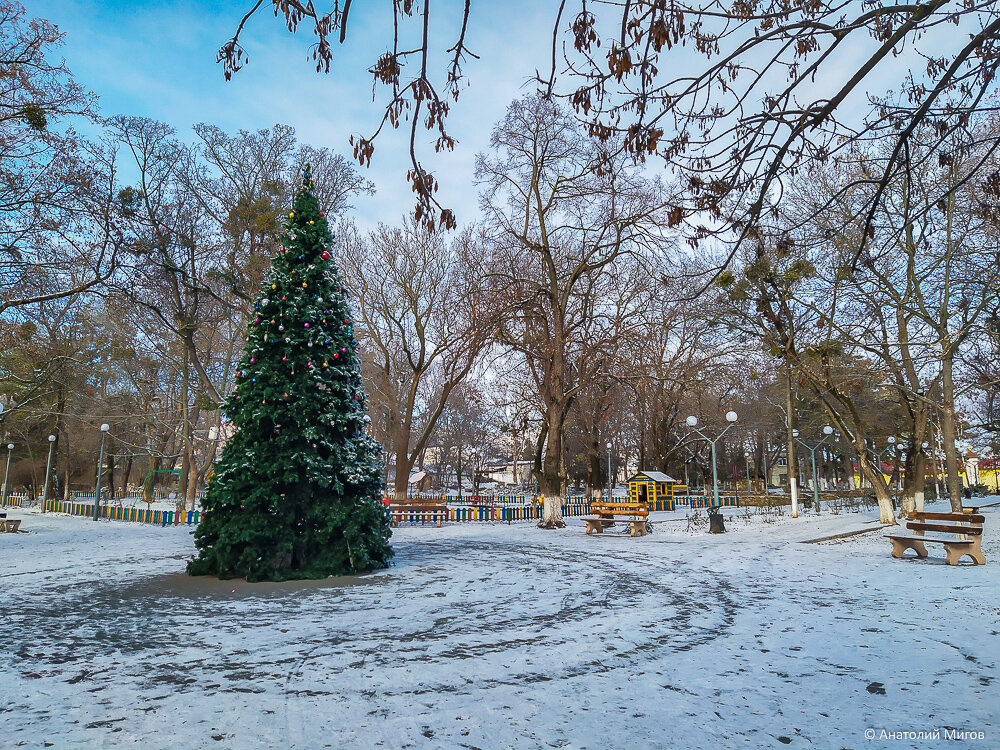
3	495
610	484
474	458
692	422
746	460
827	432
48	471
921	483
100	472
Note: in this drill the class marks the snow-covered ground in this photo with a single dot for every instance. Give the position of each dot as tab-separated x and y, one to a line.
496	636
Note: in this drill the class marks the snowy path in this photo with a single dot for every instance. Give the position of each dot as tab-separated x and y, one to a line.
497	637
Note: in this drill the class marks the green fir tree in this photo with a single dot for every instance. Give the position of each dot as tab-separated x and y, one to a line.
297	490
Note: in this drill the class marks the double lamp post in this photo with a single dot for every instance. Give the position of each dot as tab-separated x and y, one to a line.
827	432
692	422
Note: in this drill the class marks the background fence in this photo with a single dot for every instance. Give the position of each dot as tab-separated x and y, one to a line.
16	500
137	515
704	501
467	509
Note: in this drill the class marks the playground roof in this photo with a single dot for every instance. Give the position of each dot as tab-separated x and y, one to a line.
656	476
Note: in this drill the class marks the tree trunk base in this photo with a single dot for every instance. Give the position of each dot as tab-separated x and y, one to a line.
716	524
551	524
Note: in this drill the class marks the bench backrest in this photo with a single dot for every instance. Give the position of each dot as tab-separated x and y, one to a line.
959	517
620	509
961	523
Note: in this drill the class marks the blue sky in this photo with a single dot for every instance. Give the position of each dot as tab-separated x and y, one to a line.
157	59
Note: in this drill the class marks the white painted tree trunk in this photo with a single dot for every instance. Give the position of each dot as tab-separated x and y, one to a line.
552	513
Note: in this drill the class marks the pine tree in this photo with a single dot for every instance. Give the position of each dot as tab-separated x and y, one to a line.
296	491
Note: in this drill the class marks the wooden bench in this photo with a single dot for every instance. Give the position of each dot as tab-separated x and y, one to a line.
607	512
424	511
966	530
9	525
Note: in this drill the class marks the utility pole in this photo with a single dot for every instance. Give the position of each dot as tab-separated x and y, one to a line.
3	495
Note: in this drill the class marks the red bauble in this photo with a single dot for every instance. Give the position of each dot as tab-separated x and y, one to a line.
326	255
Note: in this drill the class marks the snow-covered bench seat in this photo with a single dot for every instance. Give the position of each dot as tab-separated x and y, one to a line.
965	532
607	513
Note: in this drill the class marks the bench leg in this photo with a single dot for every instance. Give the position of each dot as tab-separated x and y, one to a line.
899	546
956	552
638	528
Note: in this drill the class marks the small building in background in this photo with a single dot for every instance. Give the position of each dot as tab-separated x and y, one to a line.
654	488
419	482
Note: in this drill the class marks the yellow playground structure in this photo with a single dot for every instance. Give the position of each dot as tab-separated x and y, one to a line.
654	488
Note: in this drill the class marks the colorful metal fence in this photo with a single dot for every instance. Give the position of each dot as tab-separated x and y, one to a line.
705	501
482	513
453	513
16	500
136	515
489	500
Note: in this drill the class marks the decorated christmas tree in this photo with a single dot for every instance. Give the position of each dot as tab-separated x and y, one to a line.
296	491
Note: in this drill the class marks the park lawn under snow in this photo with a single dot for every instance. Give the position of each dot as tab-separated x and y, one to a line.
496	636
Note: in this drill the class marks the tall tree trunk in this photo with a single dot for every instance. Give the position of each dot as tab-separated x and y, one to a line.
593	468
873	473
948	434
539	452
67	468
186	464
192	485
550	481
126	472
913	483
401	444
111	474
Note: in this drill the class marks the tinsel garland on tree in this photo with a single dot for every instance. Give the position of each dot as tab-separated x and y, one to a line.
297	489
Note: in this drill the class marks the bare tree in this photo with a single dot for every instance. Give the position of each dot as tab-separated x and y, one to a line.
424	317
562	212
47	179
733	124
